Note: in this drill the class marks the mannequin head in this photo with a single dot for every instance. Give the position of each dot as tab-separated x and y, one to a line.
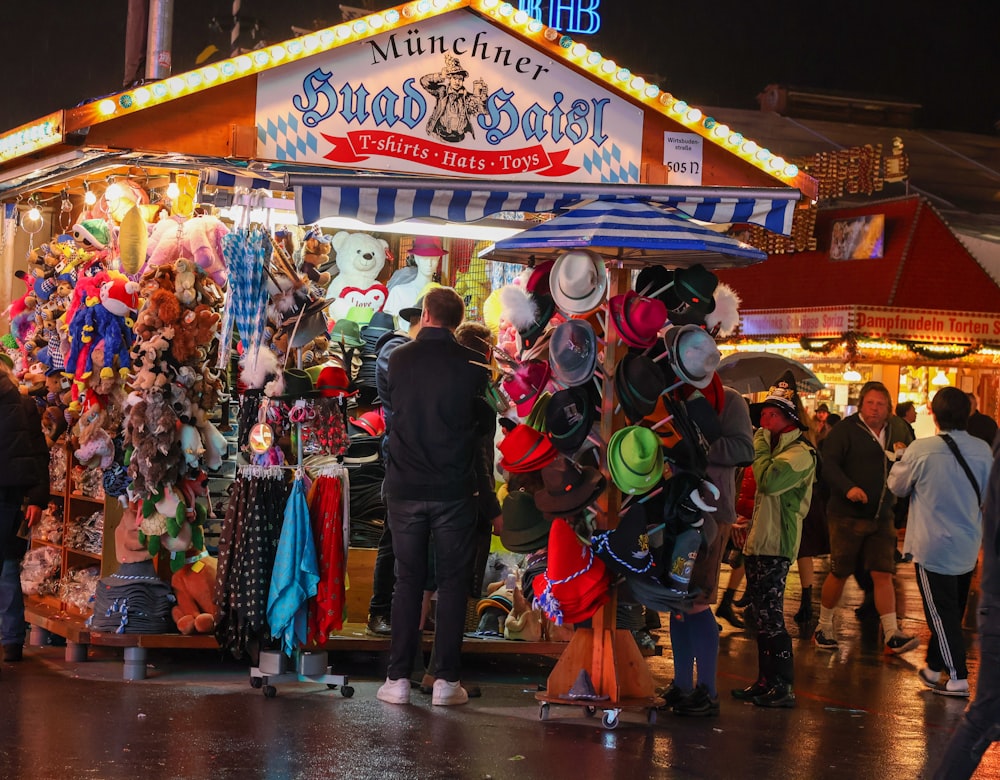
426	265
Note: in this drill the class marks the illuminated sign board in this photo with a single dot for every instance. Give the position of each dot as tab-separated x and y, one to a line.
571	16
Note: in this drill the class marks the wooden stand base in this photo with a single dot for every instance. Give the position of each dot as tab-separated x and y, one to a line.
612	658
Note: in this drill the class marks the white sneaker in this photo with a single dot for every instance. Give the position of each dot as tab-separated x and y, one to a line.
394	691
928	677
959	688
447	693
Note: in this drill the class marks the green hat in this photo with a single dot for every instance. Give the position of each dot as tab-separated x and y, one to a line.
536	419
635	459
346	332
360	314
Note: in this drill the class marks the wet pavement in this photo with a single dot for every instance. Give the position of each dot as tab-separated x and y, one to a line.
861	715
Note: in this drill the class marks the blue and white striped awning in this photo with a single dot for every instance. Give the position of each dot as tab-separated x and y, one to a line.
213	177
461	202
630	230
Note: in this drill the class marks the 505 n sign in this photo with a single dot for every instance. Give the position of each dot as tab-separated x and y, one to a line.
682	157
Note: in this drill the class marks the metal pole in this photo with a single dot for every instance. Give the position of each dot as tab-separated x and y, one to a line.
161	30
234	34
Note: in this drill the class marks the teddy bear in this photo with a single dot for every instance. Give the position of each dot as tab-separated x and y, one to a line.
198	238
162	310
360	259
194	587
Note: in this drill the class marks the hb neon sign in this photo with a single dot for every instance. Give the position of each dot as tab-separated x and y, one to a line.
571	16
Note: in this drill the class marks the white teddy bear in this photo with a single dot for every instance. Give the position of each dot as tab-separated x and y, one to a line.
360	258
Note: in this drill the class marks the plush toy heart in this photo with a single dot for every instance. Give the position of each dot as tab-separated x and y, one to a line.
372	298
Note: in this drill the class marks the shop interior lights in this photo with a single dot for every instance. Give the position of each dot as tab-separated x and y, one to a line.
940	379
852	374
114	190
89	198
173	191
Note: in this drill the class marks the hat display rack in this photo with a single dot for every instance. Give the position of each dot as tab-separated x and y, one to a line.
653	347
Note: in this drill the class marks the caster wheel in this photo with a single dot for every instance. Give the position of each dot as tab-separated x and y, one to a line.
610	720
270	691
543	711
256	682
590	711
651	717
346	691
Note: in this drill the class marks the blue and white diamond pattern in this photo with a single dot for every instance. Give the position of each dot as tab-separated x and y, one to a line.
608	163
283	141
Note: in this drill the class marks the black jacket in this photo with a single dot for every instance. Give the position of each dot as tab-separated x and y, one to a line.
852	457
24	457
435	391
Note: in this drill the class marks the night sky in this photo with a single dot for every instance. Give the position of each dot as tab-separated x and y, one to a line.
721	53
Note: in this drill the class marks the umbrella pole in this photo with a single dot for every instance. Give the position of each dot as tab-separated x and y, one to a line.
609	654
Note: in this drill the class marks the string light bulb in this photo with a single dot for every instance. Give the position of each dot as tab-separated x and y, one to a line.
173	191
89	198
114	190
940	379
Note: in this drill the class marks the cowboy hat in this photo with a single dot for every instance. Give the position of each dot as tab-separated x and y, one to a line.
578	282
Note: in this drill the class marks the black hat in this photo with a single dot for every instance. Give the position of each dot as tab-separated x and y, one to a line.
546	309
568	489
307	323
525	528
298	384
569	417
626	549
639	382
784	397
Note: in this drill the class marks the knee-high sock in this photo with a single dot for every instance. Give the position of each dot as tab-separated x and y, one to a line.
705	637
682	646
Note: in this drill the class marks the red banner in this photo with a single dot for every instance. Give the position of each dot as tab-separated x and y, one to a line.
359	145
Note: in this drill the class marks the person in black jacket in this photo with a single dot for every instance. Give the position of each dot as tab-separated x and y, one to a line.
980	425
435	389
24	474
857	455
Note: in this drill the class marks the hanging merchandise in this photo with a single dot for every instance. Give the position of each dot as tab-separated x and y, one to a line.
246	252
247	551
328	516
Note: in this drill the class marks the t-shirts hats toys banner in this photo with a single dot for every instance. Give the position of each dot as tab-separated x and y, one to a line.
782	396
578	282
526	383
575	583
639	382
573	352
635	459
524	449
569	418
525	528
637	319
568	489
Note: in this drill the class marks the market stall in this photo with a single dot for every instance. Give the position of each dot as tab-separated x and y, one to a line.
274	196
891	293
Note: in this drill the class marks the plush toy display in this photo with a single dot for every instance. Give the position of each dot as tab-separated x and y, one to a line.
194	587
198	239
360	259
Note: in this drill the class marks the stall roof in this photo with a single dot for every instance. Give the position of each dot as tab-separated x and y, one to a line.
54	133
923	266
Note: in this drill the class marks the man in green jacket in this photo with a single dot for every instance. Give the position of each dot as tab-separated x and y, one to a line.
784	466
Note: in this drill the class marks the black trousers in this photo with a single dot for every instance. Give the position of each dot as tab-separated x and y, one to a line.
450	526
945	597
766	577
383	577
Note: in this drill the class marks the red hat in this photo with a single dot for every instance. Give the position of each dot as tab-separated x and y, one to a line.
525	449
526	384
427	246
538	281
332	382
576	583
637	319
371	422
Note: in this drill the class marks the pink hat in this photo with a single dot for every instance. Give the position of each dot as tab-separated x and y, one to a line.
637	319
427	246
525	385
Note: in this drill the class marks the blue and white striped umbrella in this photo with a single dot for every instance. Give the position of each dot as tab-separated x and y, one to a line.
633	231
246	251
